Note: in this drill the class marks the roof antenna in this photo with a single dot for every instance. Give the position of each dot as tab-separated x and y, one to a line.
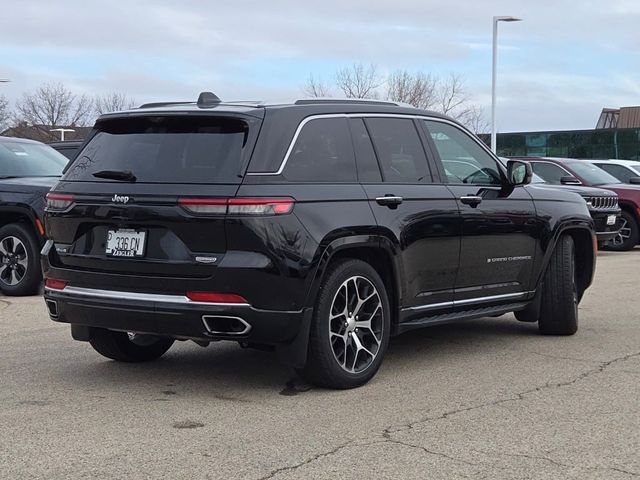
207	99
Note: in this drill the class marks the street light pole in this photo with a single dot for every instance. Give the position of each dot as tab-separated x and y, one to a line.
494	60
62	130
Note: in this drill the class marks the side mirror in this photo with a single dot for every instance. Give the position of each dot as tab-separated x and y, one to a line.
635	180
570	180
519	172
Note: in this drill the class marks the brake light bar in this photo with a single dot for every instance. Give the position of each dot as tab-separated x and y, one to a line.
59	201
238	206
210	297
54	284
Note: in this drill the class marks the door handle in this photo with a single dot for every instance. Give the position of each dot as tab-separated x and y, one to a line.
471	200
389	200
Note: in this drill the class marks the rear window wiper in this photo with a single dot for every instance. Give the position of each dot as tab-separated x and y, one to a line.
123	175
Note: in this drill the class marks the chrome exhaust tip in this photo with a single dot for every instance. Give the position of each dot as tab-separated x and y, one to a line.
225	325
52	306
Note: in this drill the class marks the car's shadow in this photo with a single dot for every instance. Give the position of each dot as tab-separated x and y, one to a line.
224	368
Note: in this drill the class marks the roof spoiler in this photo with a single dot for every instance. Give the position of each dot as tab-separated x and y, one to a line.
205	99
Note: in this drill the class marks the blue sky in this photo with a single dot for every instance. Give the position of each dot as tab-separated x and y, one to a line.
557	68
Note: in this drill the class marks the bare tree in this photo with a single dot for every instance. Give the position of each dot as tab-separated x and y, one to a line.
419	89
359	81
112	102
316	88
474	118
52	105
452	95
5	114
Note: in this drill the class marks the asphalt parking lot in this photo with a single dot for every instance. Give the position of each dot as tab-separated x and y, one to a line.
482	399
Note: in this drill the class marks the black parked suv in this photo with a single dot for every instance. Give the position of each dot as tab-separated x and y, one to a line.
28	170
319	227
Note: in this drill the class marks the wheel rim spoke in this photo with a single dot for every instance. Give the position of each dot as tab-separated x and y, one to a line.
356	324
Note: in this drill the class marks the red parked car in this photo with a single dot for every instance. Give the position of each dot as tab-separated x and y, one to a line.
568	171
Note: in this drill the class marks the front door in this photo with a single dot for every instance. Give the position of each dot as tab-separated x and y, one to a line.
498	221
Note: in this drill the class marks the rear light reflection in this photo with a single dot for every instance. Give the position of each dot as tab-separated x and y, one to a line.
215	297
238	206
54	284
59	201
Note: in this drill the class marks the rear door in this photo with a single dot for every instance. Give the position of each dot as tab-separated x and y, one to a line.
499	223
420	217
131	202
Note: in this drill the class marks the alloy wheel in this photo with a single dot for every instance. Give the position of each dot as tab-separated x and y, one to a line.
623	234
356	322
14	260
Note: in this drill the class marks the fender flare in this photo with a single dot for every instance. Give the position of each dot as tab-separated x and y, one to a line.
326	252
561	228
27	212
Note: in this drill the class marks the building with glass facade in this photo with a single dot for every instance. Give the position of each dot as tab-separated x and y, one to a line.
623	143
617	135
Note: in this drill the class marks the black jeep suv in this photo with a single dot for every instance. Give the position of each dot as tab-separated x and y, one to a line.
28	170
319	227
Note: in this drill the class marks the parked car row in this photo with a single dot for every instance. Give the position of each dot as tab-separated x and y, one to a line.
317	228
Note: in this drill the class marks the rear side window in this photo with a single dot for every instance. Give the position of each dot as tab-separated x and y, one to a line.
165	149
323	152
399	149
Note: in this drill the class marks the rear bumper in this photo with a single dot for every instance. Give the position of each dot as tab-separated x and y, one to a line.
170	315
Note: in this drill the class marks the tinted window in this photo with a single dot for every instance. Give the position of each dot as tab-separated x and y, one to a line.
464	161
621	173
22	159
399	150
170	149
368	169
549	172
323	152
592	174
69	152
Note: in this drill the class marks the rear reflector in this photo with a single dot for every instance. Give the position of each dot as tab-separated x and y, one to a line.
54	284
215	297
238	206
59	201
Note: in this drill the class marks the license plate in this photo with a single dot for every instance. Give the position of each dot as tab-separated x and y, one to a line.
611	219
125	243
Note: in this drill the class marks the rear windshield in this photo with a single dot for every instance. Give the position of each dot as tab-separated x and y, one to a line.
22	159
164	149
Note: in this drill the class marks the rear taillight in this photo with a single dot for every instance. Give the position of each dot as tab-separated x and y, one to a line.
238	206
59	201
215	297
54	284
204	206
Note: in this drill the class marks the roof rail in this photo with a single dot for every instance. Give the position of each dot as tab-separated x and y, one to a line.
365	101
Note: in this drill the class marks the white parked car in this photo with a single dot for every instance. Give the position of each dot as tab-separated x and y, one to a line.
627	171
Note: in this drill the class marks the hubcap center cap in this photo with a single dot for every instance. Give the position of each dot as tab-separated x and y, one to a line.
351	324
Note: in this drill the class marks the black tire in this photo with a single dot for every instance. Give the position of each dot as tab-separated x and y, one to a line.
119	346
16	279
559	302
629	234
323	367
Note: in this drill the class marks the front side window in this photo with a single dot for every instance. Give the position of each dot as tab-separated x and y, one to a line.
399	150
621	173
464	161
549	172
323	152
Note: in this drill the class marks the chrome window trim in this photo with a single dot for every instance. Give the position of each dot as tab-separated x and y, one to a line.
308	119
469	301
